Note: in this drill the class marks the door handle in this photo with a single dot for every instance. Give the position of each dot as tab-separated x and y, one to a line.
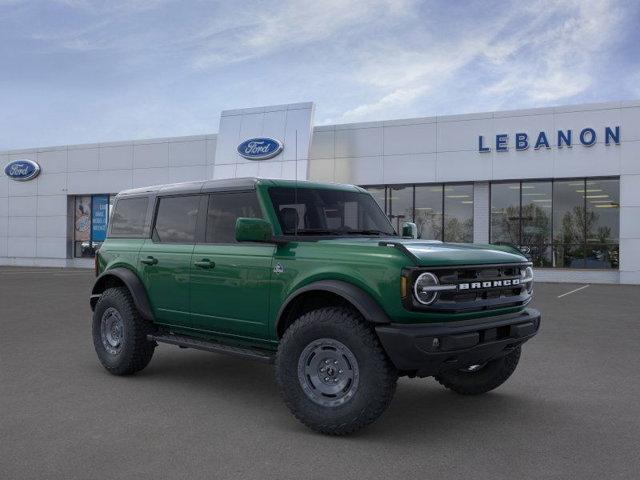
149	260
204	263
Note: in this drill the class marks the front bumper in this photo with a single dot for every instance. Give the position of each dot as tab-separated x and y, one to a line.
427	349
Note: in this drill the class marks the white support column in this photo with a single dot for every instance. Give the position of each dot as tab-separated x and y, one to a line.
481	211
629	229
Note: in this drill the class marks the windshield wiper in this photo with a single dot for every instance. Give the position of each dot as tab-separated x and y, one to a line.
368	232
323	231
315	231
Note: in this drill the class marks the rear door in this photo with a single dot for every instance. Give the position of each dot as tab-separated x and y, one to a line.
165	258
230	280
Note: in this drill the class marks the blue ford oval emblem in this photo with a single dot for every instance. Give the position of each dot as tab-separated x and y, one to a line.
260	148
22	170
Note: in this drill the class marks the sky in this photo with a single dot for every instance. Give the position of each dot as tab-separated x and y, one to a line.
80	71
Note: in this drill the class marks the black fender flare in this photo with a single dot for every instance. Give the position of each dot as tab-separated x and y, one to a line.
133	284
370	310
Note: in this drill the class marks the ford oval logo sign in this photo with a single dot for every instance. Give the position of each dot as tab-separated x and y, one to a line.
260	148
22	170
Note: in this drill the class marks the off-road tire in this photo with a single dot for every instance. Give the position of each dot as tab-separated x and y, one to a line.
376	381
485	379
135	351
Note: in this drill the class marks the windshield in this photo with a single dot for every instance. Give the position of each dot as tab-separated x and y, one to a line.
316	211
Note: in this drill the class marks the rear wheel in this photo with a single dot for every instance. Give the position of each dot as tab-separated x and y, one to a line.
478	379
120	333
332	371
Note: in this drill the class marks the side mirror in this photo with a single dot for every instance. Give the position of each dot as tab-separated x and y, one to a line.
253	230
409	229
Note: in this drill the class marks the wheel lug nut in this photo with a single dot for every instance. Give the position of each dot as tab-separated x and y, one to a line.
327	361
326	379
335	380
335	362
340	371
322	369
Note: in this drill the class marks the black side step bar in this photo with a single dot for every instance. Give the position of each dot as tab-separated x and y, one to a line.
209	346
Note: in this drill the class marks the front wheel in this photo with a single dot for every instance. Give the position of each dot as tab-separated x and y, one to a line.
478	379
332	372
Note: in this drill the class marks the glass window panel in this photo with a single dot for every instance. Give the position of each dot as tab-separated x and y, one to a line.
603	211
602	256
311	211
536	221
224	209
505	213
91	220
400	206
568	212
378	194
99	217
129	216
82	227
541	255
176	220
568	224
82	230
458	213
568	256
428	211
110	199
83	249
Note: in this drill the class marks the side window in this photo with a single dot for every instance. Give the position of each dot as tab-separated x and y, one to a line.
224	209
127	219
176	219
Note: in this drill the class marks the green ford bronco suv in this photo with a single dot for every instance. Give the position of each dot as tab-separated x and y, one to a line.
314	278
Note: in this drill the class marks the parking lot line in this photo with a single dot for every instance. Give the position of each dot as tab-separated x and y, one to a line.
573	291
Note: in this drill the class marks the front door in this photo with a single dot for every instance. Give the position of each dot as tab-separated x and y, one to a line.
165	259
229	280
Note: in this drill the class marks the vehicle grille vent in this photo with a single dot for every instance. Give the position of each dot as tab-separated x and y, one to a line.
483	298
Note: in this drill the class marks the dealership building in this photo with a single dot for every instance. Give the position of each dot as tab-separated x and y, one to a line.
560	183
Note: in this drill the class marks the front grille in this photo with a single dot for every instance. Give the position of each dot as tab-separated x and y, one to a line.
470	275
483	289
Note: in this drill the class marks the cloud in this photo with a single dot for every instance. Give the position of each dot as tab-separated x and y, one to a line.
211	34
555	63
101	8
287	25
117	26
398	98
406	76
120	69
541	53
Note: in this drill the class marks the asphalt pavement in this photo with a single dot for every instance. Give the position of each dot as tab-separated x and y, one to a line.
571	409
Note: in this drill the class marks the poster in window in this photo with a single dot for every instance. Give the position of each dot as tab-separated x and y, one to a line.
82	229
99	217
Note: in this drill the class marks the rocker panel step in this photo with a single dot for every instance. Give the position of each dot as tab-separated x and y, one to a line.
209	346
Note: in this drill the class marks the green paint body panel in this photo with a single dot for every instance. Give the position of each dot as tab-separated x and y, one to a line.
168	283
232	297
239	299
122	252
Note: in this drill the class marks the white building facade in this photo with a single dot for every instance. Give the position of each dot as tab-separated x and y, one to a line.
562	184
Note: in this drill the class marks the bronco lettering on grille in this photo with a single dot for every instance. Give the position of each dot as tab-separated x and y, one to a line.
511	282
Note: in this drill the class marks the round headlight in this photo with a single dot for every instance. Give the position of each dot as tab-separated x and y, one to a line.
527	278
421	288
